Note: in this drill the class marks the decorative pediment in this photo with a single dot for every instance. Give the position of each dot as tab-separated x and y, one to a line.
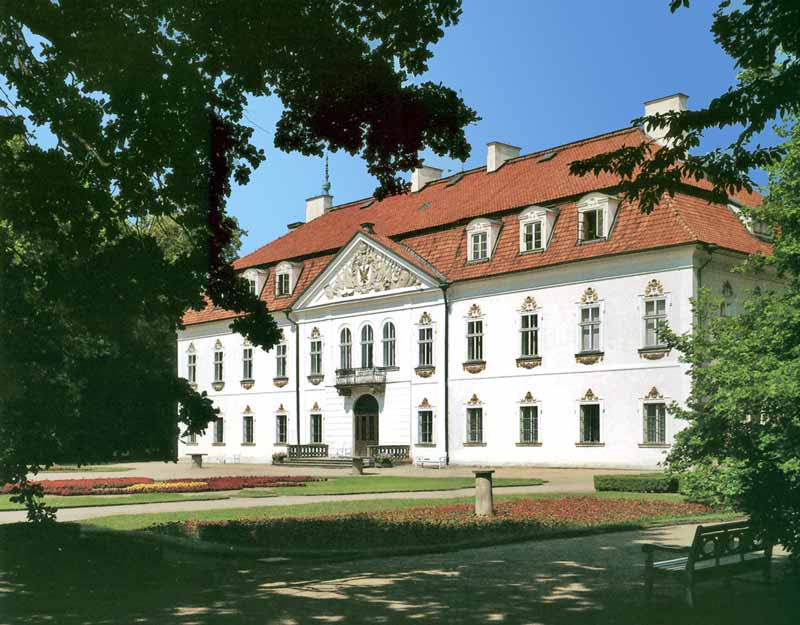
589	396
191	349
654	394
369	271
425	319
247	410
528	399
281	408
218	344
654	287
424	403
315	407
528	305
474	401
315	332
589	296
246	343
474	311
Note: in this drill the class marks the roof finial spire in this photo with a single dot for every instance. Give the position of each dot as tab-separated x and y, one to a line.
326	185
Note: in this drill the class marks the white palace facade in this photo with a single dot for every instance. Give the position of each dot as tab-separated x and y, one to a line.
504	315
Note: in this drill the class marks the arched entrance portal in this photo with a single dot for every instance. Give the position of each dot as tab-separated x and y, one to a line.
365	415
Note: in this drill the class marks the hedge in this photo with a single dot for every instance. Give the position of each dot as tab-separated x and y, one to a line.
637	483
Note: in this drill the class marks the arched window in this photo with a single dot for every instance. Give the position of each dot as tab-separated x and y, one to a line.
346	349
366	347
389	349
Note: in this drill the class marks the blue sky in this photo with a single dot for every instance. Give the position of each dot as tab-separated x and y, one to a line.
538	73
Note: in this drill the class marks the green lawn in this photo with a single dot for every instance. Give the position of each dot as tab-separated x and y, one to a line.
87	501
142	521
380	484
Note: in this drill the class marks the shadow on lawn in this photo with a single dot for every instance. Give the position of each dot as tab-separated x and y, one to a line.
590	580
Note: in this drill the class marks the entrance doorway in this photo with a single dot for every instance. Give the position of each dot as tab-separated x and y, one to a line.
365	414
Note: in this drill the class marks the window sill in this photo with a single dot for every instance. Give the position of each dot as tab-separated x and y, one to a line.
316	379
218	444
654	445
590	241
280	444
425	445
191	444
590	444
589	358
280	382
425	371
653	353
538	250
474	444
248	444
247	384
529	362
218	386
474	366
478	261
392	368
537	444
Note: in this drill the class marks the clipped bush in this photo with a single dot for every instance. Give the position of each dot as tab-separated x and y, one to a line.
384	461
637	483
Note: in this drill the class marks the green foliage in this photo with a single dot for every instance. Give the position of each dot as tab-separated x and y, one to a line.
146	106
761	37
713	484
641	483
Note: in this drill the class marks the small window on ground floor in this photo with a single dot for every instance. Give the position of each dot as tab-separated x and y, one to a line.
219	430
529	424
248	436
655	424
316	428
425	418
474	425
281	430
590	423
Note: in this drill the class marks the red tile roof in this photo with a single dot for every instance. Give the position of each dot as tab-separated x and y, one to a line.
427	227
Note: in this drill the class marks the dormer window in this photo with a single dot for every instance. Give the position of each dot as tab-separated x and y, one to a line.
535	225
759	228
596	213
481	238
286	275
255	278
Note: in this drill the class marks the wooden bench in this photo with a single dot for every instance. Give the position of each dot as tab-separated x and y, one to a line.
717	551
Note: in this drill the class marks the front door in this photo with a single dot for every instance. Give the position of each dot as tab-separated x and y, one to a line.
365	415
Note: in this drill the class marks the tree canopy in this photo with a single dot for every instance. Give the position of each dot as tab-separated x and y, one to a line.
763	38
146	104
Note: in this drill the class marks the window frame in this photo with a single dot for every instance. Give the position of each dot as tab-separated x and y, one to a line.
281	351
219	431
432	437
281	420
425	345
311	428
251	440
582	440
219	365
367	335
283	284
247	363
534	330
389	344
315	355
646	318
537	438
469	413
599	323
659	426
345	348
532	223
475	340
191	368
480	251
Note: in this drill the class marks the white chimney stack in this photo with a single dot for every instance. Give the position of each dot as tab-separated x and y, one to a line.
423	175
667	104
498	153
317	206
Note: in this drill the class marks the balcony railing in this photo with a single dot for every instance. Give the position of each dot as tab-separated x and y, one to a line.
346	379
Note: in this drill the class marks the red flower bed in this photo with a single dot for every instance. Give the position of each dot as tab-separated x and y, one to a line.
436	525
123	485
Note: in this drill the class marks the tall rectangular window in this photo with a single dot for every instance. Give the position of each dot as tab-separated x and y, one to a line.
590	329
529	424
280	360
655	318
529	334
532	236
389	345
316	428
191	438
248	435
474	425
425	433
218	356
590	423
591	225
479	246
281	428
219	431
655	424
475	340
283	284
192	368
426	347
253	285
366	347
316	357
247	363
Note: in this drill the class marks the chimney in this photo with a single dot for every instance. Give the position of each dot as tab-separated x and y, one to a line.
423	175
317	206
498	153
667	104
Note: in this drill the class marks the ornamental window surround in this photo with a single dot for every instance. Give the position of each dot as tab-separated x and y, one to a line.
529	423
191	364
219	359
474	424
389	345
590	425
654	423
529	334
425	341
596	213
590	324
315	353
286	275
255	279
535	225
474	340
345	349
367	343
655	320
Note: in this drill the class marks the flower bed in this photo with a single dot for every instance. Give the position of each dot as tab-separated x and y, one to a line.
449	525
123	485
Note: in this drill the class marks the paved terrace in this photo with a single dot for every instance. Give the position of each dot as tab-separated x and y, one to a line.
558	480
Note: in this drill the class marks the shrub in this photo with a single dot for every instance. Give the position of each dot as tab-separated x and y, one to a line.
384	461
638	483
279	457
711	485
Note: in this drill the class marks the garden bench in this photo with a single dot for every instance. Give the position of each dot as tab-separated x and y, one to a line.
438	462
717	551
197	460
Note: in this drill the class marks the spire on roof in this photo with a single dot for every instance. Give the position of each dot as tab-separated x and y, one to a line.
326	185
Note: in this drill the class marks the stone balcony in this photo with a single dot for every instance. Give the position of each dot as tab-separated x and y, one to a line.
372	377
